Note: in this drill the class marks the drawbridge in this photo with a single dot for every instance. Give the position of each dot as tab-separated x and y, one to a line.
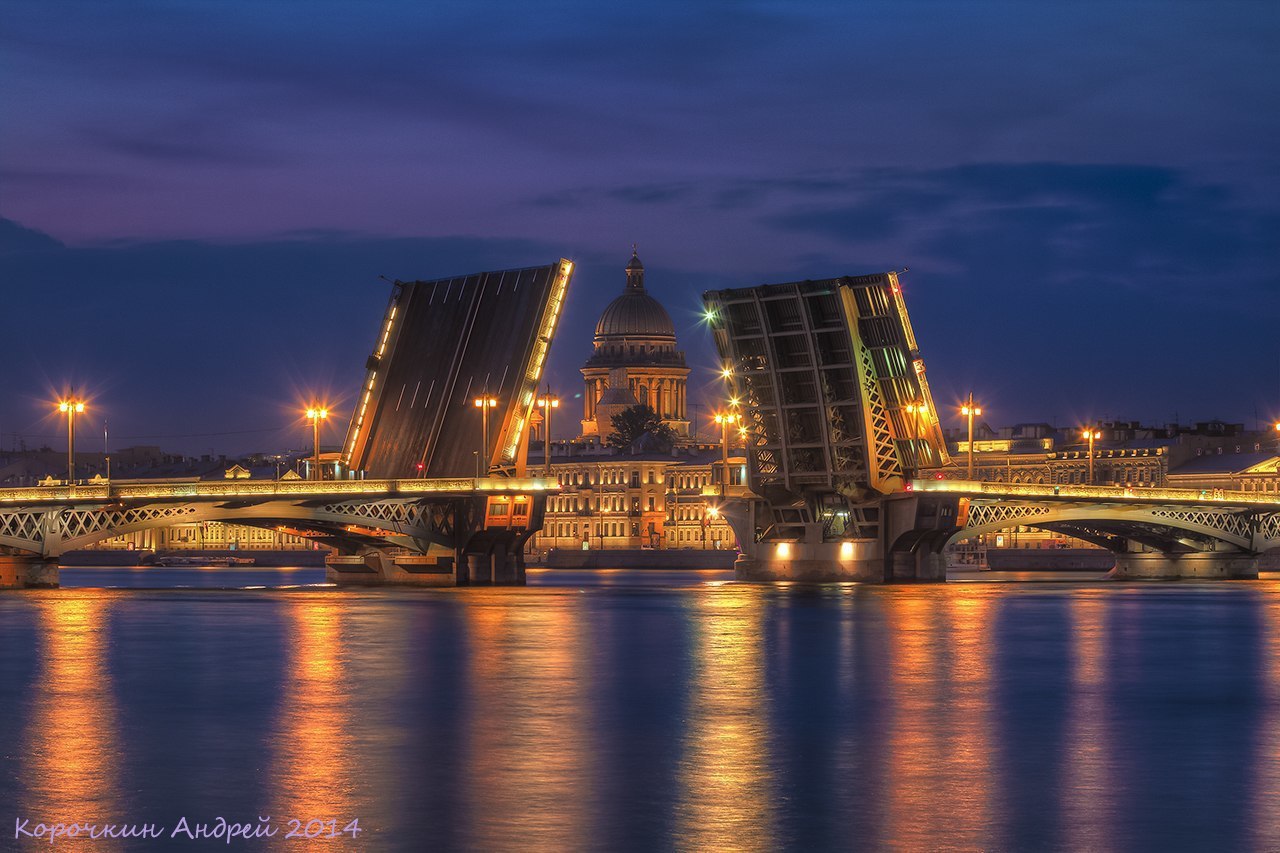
831	387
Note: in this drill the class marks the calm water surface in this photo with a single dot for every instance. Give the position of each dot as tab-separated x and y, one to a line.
644	710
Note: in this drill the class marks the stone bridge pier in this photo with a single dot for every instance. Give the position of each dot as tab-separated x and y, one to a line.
27	571
908	531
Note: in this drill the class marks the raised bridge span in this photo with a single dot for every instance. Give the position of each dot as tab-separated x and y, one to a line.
432	489
841	431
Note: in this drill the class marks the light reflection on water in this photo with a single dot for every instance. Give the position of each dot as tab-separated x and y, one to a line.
314	766
70	765
725	800
628	715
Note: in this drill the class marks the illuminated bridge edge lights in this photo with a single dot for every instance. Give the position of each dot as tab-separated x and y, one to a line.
976	488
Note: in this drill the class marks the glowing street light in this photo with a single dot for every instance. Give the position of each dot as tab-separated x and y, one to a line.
1091	434
713	513
315	415
725	420
547	403
71	407
969	410
484	404
917	411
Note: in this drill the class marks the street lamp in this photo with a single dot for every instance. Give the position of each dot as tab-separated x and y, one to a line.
315	415
917	412
484	404
547	403
725	420
1278	465
969	410
71	407
1091	434
714	513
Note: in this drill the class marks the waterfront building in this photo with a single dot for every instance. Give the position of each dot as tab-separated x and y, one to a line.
640	500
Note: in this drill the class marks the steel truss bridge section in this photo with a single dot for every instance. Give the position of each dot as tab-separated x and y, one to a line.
1171	521
831	388
349	515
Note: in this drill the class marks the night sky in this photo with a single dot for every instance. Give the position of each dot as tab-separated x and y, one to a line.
197	199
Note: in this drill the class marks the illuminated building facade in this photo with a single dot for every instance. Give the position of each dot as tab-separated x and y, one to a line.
641	501
635	362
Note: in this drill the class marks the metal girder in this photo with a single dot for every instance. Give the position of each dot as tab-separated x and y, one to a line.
405	522
1172	529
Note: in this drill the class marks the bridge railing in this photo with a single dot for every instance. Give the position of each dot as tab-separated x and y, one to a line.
1155	494
287	489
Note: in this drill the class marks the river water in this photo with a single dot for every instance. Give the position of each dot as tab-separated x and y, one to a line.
644	711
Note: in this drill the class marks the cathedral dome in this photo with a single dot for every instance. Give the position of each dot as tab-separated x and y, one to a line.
635	314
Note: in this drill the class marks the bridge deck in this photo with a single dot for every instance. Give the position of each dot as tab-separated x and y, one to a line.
973	488
273	489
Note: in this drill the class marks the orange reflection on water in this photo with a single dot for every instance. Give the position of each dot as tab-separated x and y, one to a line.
528	764
1086	792
916	789
1265	791
941	774
314	770
71	751
970	717
725	802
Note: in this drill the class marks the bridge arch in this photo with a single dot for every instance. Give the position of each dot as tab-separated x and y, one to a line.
51	533
1163	527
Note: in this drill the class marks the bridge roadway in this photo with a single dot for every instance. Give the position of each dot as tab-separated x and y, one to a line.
1155	532
412	531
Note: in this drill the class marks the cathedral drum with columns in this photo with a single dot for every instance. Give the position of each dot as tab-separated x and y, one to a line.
635	362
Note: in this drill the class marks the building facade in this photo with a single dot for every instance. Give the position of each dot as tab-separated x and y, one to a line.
637	501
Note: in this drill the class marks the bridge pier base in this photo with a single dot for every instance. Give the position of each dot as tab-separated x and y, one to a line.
919	565
30	572
1197	565
824	562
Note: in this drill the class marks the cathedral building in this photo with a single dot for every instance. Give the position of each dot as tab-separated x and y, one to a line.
639	498
635	362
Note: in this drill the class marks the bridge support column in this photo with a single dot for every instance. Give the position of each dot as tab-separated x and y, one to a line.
919	565
28	572
376	568
1197	565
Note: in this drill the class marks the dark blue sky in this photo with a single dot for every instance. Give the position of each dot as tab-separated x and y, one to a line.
198	197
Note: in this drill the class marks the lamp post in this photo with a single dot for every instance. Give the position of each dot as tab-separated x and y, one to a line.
969	410
315	415
71	407
1278	466
917	412
725	420
547	403
714	512
484	404
1091	434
